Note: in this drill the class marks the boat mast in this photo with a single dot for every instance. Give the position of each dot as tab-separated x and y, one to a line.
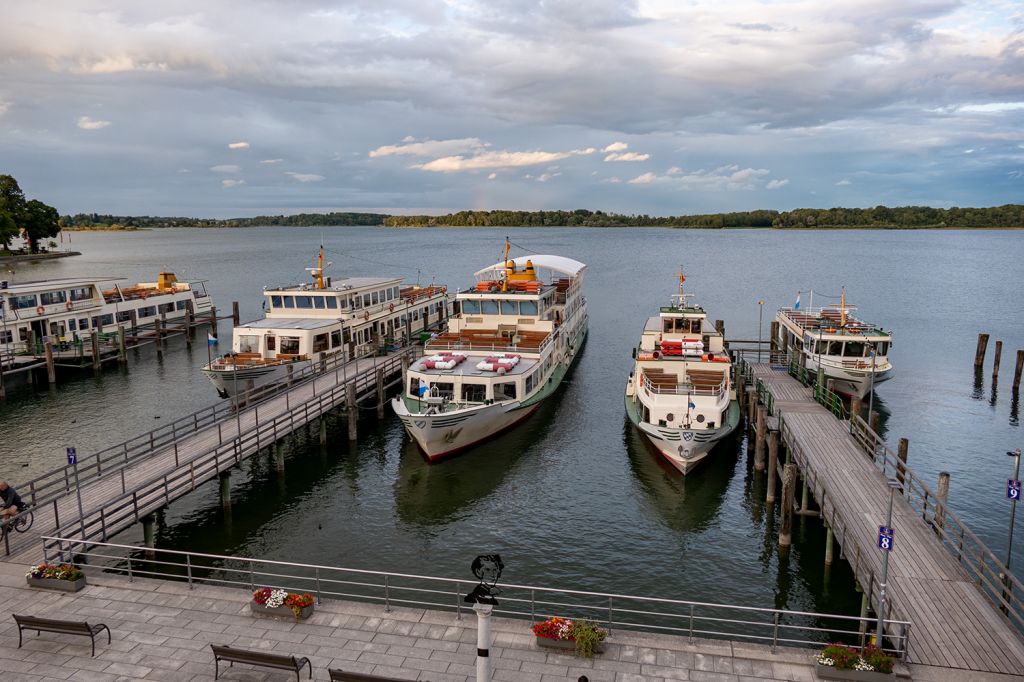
509	267
842	310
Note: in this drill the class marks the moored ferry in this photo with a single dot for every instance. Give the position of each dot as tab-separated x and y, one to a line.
68	310
515	335
680	393
324	321
832	339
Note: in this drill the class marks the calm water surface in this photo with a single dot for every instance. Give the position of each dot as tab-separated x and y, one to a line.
573	498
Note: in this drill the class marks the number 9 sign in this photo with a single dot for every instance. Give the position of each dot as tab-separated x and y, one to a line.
1012	489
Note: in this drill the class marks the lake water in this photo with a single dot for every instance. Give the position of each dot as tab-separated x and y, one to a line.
573	498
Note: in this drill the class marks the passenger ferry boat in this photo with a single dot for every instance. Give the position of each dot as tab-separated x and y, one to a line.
680	394
324	321
832	339
68	310
515	335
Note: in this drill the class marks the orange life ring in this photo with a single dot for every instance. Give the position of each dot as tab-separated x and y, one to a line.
444	290
366	315
70	305
391	307
40	310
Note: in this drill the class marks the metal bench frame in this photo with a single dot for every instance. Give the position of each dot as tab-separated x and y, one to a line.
62	627
343	676
267	659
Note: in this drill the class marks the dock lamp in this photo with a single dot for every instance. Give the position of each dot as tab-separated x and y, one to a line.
871	390
1013	492
885	543
760	311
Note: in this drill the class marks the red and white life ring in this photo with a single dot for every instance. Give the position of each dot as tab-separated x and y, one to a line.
40	310
70	305
366	315
391	307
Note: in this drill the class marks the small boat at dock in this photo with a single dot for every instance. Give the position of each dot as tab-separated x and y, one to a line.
680	394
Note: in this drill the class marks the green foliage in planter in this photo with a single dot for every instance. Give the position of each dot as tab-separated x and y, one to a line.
587	635
876	659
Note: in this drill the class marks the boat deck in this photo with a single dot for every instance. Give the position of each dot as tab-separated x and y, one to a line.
468	369
489	340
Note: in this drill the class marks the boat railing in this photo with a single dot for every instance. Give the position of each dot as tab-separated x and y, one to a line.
685	388
389	590
434	345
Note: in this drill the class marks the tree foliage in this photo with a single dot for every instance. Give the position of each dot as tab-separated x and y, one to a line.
12	203
298	220
38	220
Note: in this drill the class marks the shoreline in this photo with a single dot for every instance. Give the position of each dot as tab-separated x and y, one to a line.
32	257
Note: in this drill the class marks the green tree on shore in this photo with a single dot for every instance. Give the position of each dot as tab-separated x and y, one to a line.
12	203
39	221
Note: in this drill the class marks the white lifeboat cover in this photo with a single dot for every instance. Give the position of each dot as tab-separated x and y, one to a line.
566	266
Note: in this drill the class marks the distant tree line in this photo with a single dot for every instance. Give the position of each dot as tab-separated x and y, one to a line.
297	220
28	218
1011	215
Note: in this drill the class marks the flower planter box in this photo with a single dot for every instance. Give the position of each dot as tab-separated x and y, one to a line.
565	644
280	611
827	672
55	584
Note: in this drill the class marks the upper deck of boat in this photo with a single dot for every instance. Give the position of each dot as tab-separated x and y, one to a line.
468	368
828	321
490	340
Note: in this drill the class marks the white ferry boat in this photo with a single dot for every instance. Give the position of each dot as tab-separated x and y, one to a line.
516	334
841	345
680	394
66	311
324	321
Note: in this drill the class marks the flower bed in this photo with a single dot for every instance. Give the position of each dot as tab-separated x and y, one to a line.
271	602
841	662
63	577
561	633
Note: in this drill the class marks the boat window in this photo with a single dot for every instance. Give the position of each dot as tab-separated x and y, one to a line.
527	307
52	297
6	336
303	301
855	349
415	315
107	319
489	307
505	391
883	348
335	338
444	388
474	393
81	294
318	302
834	347
271	342
275	302
83	324
181	305
290	345
21	302
414	386
366	299
320	343
397	292
71	325
373	298
471	307
166	307
390	294
147	311
529	384
668	326
248	343
332	302
507	307
122	316
289	301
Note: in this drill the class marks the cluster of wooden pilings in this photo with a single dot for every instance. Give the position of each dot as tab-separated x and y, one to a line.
979	361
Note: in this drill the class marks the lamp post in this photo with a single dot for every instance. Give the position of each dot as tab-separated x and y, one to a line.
887	548
1013	507
871	398
760	310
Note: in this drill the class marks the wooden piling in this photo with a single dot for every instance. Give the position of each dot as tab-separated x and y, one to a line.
323	430
979	354
874	421
188	328
235	318
122	348
995	361
759	443
213	321
1017	371
225	489
380	393
856	407
279	457
751	407
943	494
788	490
149	534
158	326
829	540
353	410
901	454
805	495
94	337
773	465
3	391
51	371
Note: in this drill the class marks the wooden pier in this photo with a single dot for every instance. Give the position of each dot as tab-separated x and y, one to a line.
125	484
964	609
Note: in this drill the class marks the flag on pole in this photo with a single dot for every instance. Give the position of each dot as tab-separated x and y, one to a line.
211	340
796	306
424	387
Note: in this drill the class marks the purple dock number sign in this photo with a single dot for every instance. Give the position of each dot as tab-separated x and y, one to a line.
885	538
1012	489
72	456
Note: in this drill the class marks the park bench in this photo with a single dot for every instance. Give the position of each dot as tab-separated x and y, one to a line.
260	658
63	627
342	676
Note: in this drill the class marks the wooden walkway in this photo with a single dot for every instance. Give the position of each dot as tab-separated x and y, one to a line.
954	625
114	498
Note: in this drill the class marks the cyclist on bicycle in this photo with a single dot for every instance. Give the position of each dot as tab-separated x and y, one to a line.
10	502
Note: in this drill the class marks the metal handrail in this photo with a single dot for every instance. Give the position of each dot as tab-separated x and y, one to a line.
615	611
682	388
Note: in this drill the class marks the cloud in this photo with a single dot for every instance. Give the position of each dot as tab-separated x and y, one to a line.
429	147
730	177
645	179
86	123
674	170
485	160
843	183
305	177
238	145
4	106
271	161
776	184
492	176
226	168
627	156
229	183
616	147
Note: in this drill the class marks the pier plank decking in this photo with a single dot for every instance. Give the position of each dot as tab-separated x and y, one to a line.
118	498
954	625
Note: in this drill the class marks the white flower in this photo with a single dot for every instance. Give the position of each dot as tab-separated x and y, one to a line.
863	665
825	660
276	598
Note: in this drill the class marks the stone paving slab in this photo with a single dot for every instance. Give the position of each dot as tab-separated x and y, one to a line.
162	631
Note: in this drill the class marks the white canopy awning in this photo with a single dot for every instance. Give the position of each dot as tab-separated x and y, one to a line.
566	266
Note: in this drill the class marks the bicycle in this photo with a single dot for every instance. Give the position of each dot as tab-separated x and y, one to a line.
21	523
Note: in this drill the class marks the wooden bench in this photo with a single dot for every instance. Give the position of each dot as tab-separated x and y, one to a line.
63	627
342	676
261	658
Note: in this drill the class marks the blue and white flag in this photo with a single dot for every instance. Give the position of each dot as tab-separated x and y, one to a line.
210	339
424	387
692	406
796	306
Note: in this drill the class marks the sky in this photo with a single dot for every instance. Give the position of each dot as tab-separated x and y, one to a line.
220	108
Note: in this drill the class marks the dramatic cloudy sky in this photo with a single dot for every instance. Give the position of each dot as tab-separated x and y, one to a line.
225	107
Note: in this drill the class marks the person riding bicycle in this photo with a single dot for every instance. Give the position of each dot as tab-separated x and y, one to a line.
10	502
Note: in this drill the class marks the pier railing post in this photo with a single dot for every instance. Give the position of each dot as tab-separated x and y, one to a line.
943	496
901	455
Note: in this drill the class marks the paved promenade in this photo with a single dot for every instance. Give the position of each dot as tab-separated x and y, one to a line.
162	631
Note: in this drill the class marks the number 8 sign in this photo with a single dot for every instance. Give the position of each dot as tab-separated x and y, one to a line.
885	539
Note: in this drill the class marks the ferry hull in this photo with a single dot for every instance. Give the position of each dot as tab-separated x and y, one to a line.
226	381
446	434
684	448
855	383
